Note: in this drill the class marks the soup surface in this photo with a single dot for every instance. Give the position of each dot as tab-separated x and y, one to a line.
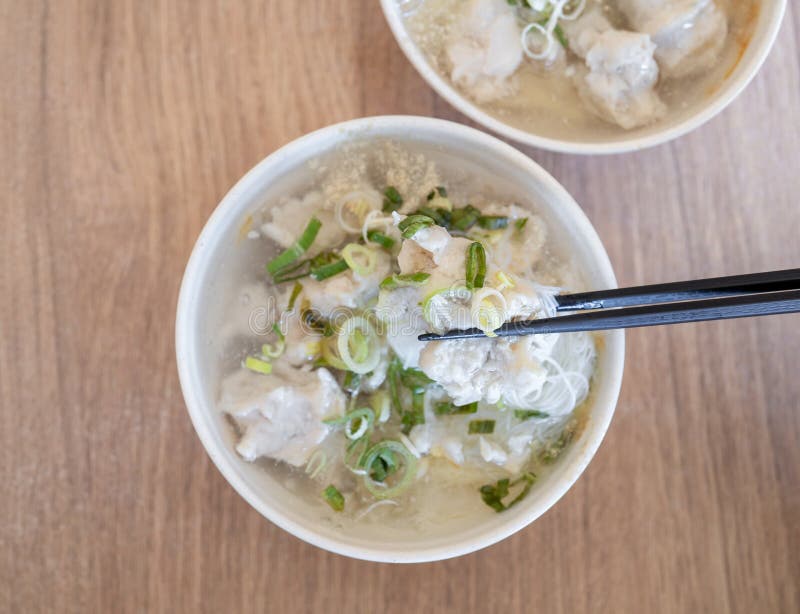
327	383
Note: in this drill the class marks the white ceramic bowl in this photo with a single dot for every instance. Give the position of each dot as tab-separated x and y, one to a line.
219	261
676	124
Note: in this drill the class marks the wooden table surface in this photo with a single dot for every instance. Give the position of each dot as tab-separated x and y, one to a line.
123	123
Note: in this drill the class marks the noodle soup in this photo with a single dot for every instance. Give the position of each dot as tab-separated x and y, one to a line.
330	388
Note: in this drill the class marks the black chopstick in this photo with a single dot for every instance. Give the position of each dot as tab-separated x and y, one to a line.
772	281
787	301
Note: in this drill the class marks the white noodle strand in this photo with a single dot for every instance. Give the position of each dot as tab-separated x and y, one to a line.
375	505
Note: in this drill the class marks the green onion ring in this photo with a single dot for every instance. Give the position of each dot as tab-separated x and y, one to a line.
346	335
364	414
378	490
352	251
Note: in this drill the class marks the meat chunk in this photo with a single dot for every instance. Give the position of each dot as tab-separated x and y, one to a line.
487	370
347	290
485	49
434	251
301	342
290	218
689	34
443	302
401	315
281	415
435	437
619	78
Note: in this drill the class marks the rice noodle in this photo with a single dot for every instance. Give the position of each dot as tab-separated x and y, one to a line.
375	219
375	505
321	460
569	370
407	443
547	297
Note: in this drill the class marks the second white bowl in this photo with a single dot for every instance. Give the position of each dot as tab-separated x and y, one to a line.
677	123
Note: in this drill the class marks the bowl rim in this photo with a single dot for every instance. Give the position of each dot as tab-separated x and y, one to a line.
745	70
187	313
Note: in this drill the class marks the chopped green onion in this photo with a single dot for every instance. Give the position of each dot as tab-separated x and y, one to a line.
361	259
312	348
357	423
385	464
352	382
358	345
526	414
273	350
465	218
393	377
392	200
492	222
432	307
562	38
437	199
439	215
334	498
416	415
294	271
553	451
317	323
415	379
382	405
381	239
480	427
354	454
296	290
414	223
320	267
488	310
493	495
520	223
417	382
401	281
300	247
447	408
329	270
440	191
257	365
379	489
322	259
505	281
558	30
330	357
476	266
325	265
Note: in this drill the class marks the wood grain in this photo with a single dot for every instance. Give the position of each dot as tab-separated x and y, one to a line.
122	124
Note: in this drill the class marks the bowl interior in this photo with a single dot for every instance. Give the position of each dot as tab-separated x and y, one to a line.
739	64
221	259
